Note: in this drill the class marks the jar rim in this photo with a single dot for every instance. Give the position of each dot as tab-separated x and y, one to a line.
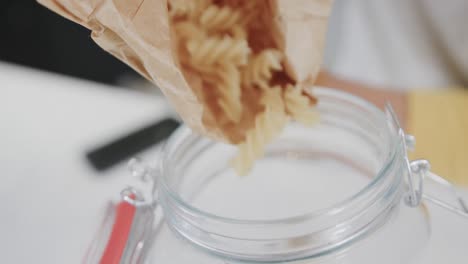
185	132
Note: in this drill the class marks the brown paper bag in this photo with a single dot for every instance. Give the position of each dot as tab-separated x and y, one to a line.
137	32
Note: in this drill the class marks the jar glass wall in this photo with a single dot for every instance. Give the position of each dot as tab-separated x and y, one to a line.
331	193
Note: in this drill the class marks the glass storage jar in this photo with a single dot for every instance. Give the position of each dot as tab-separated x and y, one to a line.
341	191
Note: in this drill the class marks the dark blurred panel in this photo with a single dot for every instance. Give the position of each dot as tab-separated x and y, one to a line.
32	35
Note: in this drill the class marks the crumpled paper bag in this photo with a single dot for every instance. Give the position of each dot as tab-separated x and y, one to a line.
137	32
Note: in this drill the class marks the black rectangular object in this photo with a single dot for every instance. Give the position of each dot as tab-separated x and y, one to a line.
124	148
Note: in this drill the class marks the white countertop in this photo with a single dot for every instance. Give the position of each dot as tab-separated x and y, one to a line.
51	199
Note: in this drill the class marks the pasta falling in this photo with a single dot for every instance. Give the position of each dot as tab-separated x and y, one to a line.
246	89
298	106
260	68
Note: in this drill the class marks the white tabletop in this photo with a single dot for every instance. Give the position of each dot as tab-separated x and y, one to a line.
51	199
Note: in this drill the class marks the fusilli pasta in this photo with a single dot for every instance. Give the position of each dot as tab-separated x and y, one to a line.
268	125
223	42
216	18
227	82
259	70
298	106
273	98
238	32
179	9
216	50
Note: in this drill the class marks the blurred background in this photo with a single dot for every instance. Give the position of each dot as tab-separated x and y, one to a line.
401	44
33	36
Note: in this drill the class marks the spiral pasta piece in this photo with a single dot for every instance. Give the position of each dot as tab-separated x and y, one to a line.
187	30
178	9
215	39
268	125
273	98
248	7
298	106
216	18
238	32
228	86
260	68
216	50
187	8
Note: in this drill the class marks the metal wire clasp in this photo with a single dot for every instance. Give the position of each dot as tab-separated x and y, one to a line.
415	172
420	177
141	195
146	182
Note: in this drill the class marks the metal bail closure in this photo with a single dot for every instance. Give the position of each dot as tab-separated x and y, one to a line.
422	183
146	177
141	197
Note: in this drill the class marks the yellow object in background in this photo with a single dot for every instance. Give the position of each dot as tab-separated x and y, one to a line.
439	121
